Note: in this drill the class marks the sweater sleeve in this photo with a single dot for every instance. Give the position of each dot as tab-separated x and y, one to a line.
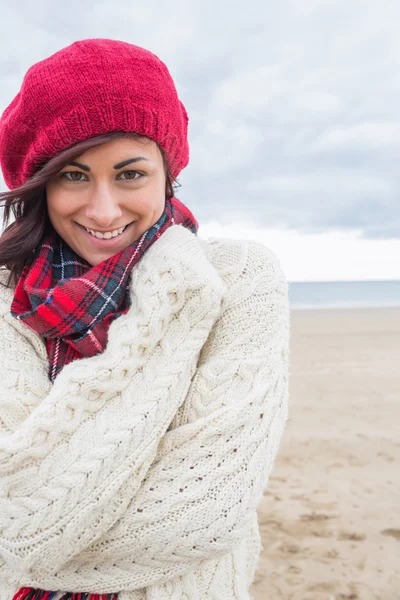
209	474
70	469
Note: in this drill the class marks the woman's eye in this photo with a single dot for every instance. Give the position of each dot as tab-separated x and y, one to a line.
131	175
78	176
73	175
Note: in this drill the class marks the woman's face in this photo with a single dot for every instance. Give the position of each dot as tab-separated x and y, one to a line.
107	197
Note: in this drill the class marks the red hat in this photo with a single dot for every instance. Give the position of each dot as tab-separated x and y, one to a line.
89	88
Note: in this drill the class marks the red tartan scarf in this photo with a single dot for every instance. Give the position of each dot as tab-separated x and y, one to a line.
72	303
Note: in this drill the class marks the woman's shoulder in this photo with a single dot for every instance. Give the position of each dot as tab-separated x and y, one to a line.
245	263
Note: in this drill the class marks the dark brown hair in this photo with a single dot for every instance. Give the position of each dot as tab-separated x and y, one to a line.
27	204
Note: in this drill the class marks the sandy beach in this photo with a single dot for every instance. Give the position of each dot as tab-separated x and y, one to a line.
330	518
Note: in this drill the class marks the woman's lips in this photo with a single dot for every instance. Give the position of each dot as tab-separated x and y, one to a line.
102	242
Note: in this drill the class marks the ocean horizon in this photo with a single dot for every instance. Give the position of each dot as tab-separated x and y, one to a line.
343	294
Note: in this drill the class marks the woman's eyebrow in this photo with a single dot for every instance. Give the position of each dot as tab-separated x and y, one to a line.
80	165
129	161
74	163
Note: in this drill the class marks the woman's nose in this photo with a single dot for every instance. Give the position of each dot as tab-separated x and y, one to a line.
103	208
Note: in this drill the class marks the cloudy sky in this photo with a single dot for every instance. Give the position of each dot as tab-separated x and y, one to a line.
294	115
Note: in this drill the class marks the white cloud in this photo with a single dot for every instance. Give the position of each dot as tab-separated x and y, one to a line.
342	184
224	147
320	257
364	136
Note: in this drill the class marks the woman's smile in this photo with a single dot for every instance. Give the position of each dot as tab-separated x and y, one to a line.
107	237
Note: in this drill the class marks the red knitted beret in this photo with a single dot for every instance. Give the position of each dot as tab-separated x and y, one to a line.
89	88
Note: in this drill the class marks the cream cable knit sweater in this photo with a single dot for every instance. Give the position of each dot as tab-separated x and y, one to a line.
140	469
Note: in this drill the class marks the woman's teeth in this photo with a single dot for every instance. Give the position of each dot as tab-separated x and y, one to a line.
107	234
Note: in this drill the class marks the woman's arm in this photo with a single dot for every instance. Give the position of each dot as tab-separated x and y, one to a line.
208	474
69	471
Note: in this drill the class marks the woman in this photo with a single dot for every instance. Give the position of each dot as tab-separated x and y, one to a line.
144	369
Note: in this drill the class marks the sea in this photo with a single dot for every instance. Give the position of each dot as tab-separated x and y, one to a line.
344	294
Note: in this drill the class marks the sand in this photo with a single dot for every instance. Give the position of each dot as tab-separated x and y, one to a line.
330	517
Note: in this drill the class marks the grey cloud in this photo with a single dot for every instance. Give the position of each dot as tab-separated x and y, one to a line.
293	105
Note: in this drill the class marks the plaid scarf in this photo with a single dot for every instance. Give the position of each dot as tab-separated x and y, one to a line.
71	303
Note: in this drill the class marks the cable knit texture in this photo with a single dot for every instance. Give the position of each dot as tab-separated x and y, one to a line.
139	470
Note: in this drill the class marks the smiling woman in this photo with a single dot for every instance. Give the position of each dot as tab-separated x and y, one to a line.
144	369
101	207
33	202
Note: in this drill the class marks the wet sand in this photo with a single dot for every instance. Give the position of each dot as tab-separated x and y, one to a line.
330	517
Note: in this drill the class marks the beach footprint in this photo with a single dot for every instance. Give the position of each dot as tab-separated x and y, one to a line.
352	536
392	533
